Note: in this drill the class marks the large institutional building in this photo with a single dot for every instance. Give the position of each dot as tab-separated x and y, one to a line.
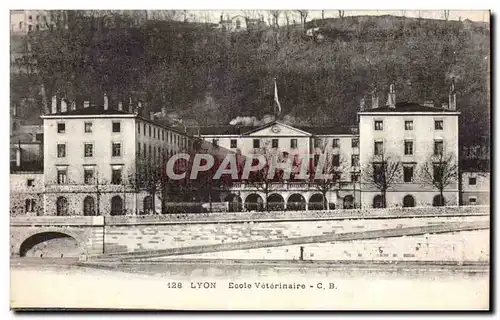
91	158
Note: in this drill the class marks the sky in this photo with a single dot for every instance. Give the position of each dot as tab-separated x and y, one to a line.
474	15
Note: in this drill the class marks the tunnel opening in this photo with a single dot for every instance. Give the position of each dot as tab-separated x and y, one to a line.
50	245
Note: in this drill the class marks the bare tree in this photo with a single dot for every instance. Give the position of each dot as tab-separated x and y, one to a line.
261	180
148	177
382	173
446	14
329	177
341	13
303	17
439	171
275	15
323	14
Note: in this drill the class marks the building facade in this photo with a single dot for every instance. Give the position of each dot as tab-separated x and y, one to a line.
94	155
412	136
340	146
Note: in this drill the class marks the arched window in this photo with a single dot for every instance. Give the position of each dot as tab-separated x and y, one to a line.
275	202
62	206
408	201
88	206
316	202
148	205
296	202
438	201
116	206
254	202
348	202
378	201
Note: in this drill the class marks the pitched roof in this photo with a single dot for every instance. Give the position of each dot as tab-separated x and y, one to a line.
236	130
91	111
409	107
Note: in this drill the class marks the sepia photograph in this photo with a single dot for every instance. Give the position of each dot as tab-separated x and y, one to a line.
250	159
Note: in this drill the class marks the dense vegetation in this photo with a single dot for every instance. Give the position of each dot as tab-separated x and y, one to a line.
210	76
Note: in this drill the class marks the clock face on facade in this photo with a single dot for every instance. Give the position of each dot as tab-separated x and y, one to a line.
275	129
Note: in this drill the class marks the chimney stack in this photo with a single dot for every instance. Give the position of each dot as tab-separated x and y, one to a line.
429	103
130	108
64	105
106	101
362	104
120	106
54	104
139	108
452	98
374	99
86	104
14	110
391	98
73	105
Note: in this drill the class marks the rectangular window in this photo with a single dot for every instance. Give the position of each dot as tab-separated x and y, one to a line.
144	129
39	137
379	148
335	160
379	125
31	182
170	135
293	143
149	129
355	142
438	124
116	127
30	205
149	152
408	148
408	173
234	143
336	143
437	173
145	151
316	160
61	128
472	200
378	172
438	147
215	142
472	181
256	143
62	176
116	176
138	148
355	160
163	135
317	143
116	149
88	127
408	125
138	128
275	143
88	176
89	150
354	177
61	150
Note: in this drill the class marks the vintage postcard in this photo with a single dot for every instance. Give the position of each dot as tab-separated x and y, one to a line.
250	159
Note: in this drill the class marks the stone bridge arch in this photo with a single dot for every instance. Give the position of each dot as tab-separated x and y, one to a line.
23	240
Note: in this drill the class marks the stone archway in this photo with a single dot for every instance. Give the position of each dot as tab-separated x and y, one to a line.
378	201
348	202
316	202
438	201
408	201
50	244
275	202
254	202
296	202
